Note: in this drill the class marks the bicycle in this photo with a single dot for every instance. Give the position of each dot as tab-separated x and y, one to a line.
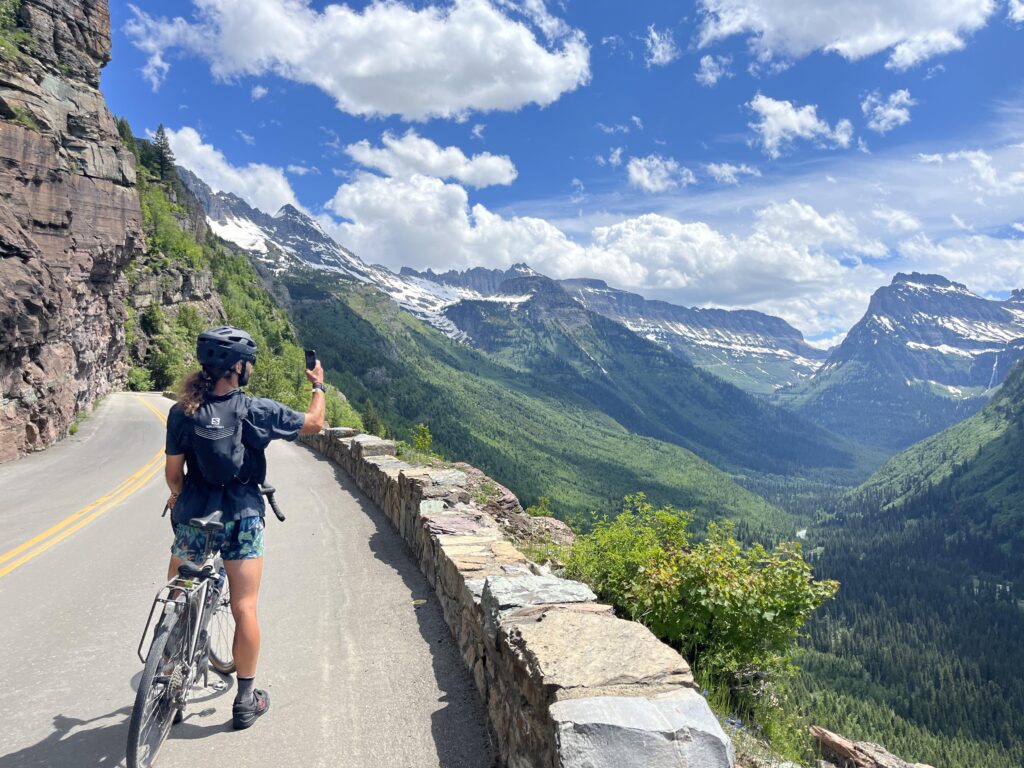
194	630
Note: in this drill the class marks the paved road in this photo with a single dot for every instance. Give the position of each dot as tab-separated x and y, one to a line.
358	676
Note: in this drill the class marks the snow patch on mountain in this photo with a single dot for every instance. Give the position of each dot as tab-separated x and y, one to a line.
242	232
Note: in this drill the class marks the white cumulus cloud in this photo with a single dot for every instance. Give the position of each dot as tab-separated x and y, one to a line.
885	114
661	47
896	220
781	123
1016	11
712	69
425	222
262	186
413	154
987	264
258	92
389	58
727	173
911	31
655	173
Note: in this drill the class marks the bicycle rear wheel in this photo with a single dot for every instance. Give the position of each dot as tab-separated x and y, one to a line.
222	634
155	701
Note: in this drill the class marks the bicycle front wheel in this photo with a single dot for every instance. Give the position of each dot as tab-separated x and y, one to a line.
156	701
222	634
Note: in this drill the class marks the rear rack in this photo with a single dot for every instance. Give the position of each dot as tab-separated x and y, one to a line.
183	588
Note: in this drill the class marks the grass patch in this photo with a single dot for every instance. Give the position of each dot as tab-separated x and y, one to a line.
21	116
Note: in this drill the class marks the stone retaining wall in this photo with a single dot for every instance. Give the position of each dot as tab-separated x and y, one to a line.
567	684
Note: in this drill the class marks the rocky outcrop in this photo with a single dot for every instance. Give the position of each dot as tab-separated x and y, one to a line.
567	684
842	752
69	225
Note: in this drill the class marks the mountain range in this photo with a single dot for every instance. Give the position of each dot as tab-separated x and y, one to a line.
756	352
927	353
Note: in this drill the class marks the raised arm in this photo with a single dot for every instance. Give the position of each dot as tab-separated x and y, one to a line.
314	421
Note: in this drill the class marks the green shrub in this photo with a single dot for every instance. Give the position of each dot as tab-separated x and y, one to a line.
339	411
541	509
735	612
73	428
9	14
24	118
140	379
422	440
153	320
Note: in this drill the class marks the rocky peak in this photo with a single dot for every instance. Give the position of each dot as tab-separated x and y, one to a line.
921	278
291	212
1016	296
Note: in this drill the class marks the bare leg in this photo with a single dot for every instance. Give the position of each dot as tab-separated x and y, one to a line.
244	581
172	569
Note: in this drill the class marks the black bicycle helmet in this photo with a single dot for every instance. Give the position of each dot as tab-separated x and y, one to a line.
223	347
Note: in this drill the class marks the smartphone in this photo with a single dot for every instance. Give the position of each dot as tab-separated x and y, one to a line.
310	359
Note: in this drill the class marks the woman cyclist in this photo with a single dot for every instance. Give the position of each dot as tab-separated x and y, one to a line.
216	436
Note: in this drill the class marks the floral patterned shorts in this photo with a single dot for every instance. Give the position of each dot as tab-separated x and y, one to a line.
239	540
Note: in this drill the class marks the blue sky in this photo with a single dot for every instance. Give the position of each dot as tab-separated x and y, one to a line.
784	155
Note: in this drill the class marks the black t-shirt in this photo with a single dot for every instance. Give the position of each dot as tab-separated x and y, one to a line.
266	420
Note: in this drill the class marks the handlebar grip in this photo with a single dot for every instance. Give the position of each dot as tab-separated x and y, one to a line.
273	506
268	491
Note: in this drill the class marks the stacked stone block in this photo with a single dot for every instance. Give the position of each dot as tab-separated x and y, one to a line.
567	684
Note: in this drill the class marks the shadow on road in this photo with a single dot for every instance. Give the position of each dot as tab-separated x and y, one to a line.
99	741
459	728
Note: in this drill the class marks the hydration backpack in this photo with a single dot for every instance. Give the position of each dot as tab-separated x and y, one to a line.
217	441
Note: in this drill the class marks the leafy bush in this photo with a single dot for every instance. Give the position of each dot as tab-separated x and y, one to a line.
339	411
422	440
140	379
735	612
541	509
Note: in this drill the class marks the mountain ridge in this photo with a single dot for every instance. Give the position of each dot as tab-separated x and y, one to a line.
927	353
757	352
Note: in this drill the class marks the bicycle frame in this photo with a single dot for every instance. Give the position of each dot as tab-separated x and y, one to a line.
198	596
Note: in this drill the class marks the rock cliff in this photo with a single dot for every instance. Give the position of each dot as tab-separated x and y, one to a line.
69	225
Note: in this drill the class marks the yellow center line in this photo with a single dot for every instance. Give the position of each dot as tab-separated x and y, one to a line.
86	514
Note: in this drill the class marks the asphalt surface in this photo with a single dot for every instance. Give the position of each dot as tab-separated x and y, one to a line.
358	674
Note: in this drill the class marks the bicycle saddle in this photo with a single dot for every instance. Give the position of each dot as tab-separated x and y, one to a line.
209	524
189	570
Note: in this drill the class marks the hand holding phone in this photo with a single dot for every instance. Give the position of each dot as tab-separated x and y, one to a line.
313	370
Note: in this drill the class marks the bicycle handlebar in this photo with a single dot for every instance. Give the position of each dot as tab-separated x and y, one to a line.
268	491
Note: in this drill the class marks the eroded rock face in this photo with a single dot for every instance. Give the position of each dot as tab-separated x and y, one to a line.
69	225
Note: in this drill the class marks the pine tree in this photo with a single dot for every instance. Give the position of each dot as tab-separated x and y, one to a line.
164	155
371	419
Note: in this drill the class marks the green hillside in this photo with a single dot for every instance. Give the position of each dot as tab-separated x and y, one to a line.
979	451
566	348
927	625
538	441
